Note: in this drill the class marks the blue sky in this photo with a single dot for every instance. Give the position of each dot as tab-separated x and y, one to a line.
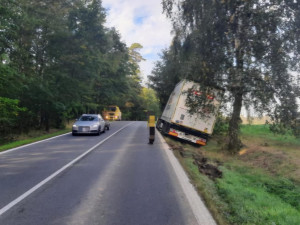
143	22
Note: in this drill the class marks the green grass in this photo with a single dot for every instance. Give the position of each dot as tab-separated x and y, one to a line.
262	131
31	140
248	194
255	198
208	190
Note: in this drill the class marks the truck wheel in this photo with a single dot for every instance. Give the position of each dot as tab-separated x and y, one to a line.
165	128
158	125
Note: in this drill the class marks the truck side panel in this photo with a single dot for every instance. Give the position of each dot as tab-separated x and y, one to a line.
196	121
172	102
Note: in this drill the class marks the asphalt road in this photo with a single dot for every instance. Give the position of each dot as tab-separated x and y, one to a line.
121	181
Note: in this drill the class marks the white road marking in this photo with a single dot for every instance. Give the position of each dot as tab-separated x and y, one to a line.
199	209
23	146
36	187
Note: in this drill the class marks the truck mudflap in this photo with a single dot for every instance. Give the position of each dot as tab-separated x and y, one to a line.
186	136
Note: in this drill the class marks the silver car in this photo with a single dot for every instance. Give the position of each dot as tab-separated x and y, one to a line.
89	124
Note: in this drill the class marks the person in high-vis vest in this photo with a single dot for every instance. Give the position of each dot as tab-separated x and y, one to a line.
151	125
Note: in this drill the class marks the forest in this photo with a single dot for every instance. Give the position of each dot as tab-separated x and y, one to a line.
59	60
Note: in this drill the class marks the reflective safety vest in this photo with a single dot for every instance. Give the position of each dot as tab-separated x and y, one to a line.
151	121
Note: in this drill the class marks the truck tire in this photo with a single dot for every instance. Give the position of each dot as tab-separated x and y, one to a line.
158	125
165	128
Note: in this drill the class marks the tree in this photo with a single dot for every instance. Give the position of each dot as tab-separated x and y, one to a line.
150	101
166	73
132	105
9	111
135	58
246	47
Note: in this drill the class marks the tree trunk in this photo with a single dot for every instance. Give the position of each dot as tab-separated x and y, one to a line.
235	143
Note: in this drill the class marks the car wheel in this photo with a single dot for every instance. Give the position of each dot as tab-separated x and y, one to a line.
99	131
103	130
107	127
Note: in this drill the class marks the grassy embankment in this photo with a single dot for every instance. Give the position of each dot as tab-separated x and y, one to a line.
32	136
260	186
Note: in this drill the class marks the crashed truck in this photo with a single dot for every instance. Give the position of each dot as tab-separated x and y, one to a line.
176	120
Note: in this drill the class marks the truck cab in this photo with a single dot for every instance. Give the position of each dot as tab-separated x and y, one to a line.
112	113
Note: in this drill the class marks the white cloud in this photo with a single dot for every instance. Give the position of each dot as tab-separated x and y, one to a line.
143	22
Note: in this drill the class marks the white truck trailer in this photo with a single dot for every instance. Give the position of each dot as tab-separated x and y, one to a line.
177	121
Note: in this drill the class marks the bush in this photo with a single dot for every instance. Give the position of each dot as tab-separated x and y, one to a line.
222	124
9	111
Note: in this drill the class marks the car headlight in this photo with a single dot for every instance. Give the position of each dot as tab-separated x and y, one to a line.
95	126
74	125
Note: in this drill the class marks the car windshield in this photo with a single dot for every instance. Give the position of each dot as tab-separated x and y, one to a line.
88	118
112	109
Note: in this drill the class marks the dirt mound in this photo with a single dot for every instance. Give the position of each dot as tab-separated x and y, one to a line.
200	161
206	168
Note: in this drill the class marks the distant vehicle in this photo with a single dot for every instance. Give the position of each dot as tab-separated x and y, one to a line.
176	120
89	124
113	113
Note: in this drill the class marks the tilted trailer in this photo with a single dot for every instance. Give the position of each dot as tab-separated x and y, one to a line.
178	122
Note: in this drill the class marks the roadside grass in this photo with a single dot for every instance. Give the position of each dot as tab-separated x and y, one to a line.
257	187
19	143
256	198
34	136
207	189
263	132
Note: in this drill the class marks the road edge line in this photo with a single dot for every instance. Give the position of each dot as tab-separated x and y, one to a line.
53	175
200	211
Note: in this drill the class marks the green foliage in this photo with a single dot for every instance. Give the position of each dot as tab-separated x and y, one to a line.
254	198
150	101
221	126
9	112
135	58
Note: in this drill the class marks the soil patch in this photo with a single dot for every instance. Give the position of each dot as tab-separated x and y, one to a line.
204	167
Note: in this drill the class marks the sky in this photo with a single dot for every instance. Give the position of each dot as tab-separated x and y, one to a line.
140	21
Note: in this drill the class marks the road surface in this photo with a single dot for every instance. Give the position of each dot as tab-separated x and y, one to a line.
112	179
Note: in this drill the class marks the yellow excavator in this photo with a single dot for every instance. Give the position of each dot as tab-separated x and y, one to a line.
113	113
